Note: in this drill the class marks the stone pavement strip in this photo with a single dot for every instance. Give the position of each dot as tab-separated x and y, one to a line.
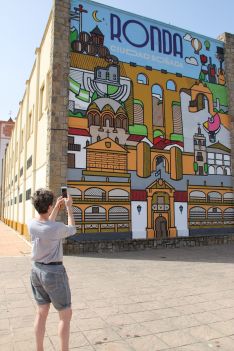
12	243
163	299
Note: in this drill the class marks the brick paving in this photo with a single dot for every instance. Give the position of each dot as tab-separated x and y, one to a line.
167	299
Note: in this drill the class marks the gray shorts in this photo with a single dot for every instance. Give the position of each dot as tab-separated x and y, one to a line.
50	285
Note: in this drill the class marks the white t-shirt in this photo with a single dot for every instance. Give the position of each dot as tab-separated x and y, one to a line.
47	239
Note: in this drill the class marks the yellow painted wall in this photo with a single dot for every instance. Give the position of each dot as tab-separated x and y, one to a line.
34	140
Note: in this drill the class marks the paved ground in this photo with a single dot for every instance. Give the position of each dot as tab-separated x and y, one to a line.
171	299
11	243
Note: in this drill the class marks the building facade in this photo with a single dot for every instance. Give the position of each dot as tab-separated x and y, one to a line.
6	128
138	127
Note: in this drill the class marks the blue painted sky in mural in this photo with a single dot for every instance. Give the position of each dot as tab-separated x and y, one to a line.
22	28
148	42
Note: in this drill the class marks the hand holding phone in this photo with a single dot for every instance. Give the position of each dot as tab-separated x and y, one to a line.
64	191
68	202
59	202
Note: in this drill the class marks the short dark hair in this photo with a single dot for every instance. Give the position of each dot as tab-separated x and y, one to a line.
42	199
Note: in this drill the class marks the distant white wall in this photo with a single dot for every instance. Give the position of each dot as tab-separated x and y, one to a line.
139	221
181	219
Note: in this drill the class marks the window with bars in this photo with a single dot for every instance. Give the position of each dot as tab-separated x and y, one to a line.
28	194
95	193
77	214
95	213
229	214
118	214
29	162
197	213
72	146
219	159
95	209
199	156
214	213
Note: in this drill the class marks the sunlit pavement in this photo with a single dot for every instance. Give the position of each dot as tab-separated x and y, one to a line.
167	299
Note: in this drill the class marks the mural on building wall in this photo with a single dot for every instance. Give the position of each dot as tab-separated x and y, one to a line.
149	141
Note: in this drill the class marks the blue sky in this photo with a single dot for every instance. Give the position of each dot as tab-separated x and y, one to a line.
22	25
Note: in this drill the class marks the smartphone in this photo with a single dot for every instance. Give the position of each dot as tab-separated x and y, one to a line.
64	191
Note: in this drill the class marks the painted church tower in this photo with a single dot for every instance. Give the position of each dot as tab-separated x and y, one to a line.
200	153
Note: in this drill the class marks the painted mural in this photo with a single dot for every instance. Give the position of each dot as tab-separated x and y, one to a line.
149	141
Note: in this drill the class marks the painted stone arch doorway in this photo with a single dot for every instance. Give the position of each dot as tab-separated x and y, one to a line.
160	203
161	227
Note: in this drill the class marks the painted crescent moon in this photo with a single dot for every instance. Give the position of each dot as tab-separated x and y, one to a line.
94	14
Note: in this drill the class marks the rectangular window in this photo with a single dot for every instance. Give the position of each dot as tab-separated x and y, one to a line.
219	162
95	209
16	177
227	163
71	160
227	160
227	157
29	162
211	155
21	171
74	147
15	200
219	156
210	161
20	198
199	156
28	194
